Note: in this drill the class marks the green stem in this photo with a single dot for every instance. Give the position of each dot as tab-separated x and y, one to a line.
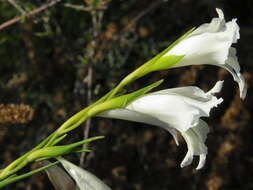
78	118
128	79
73	121
148	67
17	178
9	170
67	126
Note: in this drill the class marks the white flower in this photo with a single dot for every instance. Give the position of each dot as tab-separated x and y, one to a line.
84	179
211	44
177	109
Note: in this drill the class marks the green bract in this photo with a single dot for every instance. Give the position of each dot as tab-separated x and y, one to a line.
157	63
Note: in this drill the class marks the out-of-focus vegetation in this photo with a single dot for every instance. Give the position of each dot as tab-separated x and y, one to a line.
56	62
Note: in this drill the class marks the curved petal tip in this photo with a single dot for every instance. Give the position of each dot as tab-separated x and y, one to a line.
220	13
242	86
202	161
217	87
187	159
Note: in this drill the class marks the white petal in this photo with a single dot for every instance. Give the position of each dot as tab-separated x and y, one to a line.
84	179
167	108
175	109
193	92
131	115
211	44
201	130
220	13
195	139
217	24
208	44
180	108
207	48
187	159
202	161
188	91
242	86
217	88
233	67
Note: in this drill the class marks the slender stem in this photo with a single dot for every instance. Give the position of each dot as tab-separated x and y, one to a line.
87	127
74	121
69	125
19	8
96	22
142	13
17	178
28	15
11	168
139	72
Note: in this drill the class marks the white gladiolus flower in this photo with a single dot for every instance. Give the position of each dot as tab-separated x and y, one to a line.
177	109
84	179
211	44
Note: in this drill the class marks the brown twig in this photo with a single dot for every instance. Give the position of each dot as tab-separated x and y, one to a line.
83	8
28	15
19	8
87	126
96	22
89	99
141	14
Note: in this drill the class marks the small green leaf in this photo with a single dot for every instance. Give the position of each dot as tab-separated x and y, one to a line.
166	62
56	141
121	101
132	96
55	151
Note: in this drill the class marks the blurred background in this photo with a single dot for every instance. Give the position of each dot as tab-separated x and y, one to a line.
69	53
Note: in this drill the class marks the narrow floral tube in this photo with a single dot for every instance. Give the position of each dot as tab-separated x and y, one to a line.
177	109
211	44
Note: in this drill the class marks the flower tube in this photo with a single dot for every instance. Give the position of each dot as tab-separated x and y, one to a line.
177	109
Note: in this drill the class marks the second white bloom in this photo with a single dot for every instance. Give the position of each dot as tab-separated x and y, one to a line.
177	109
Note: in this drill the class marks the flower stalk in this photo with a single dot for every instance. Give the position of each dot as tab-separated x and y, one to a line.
46	148
19	177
